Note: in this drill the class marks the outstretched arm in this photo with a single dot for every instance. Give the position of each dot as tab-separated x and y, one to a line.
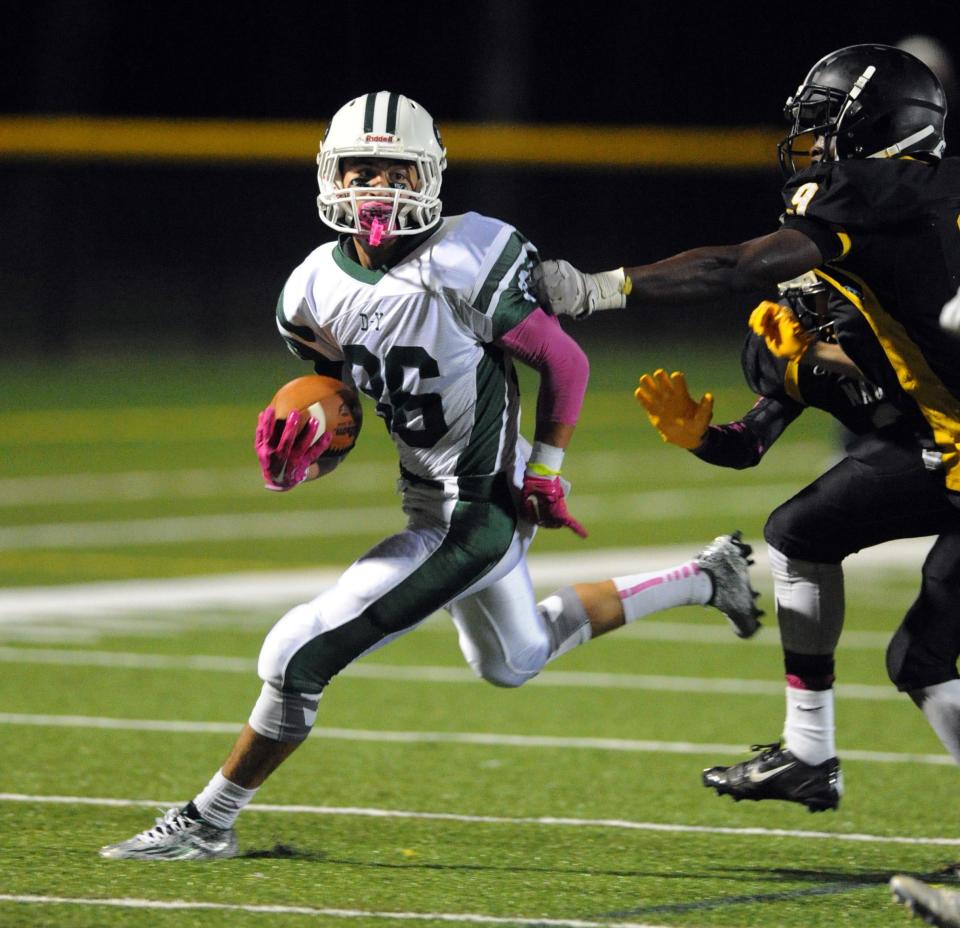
742	443
701	275
706	274
683	422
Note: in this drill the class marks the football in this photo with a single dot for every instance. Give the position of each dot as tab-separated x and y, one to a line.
330	401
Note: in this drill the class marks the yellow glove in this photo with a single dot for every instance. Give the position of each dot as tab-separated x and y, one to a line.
784	335
672	411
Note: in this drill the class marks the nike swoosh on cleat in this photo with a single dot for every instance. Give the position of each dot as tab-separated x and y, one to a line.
758	777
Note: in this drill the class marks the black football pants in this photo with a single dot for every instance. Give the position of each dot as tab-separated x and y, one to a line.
879	493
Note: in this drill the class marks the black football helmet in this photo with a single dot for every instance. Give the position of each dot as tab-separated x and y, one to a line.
866	101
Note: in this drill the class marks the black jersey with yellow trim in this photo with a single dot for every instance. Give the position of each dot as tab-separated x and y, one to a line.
895	225
784	390
850	328
889	232
858	405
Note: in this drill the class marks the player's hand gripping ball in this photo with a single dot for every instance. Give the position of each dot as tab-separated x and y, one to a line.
310	420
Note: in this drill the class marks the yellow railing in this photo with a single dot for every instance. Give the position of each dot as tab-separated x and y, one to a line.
83	138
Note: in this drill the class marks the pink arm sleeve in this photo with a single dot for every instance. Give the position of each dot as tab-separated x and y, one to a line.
563	367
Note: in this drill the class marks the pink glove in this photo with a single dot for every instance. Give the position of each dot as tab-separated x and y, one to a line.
543	504
284	463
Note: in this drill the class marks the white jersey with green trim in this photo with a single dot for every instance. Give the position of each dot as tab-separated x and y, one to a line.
419	338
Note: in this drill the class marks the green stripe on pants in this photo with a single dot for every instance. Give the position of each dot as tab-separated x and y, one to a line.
480	532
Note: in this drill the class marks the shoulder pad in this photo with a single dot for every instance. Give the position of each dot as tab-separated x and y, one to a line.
859	194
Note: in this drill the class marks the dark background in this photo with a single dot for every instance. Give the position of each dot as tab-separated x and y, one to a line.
152	255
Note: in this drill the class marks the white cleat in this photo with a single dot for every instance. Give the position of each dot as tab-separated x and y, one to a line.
727	560
176	836
935	906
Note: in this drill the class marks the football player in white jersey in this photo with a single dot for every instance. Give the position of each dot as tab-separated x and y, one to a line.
426	315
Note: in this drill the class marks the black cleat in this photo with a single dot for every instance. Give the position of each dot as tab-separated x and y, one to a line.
777	774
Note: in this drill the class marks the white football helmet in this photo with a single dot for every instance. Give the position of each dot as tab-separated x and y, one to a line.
381	125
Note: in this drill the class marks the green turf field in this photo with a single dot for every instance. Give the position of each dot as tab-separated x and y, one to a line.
142	564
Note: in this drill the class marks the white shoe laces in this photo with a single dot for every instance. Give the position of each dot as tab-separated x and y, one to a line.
172	822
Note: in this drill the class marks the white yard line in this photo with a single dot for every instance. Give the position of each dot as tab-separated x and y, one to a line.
462	918
211	482
270	588
146	485
237	591
139	486
491	739
433	674
183	529
359	520
548	821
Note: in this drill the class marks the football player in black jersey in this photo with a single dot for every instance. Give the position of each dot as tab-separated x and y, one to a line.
882	490
874	207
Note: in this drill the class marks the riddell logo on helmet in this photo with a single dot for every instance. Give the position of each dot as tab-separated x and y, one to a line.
379	138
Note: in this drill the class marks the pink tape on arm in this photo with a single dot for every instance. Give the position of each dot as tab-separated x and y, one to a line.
563	367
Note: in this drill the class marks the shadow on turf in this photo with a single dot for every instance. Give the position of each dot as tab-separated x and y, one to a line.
282	852
837	876
288	852
835	882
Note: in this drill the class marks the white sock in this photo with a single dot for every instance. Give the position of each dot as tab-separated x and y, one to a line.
941	706
808	732
684	585
222	801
